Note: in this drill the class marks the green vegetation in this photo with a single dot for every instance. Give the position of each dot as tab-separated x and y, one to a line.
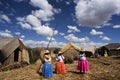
56	51
34	54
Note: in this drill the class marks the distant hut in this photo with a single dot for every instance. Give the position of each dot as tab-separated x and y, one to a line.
103	50
70	52
114	48
111	49
89	51
12	50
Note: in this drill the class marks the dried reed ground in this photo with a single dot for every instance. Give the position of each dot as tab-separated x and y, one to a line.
100	69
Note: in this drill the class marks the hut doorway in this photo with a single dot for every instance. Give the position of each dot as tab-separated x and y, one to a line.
16	55
102	51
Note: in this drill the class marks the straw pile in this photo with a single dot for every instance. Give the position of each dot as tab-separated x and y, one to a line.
98	71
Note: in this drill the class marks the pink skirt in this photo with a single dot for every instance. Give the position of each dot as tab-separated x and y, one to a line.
83	65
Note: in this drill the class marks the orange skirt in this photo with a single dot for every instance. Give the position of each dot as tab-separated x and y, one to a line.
60	68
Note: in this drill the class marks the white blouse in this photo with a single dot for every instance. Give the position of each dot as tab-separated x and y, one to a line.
60	58
47	60
82	57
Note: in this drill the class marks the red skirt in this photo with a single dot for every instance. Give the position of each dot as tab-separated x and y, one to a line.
60	68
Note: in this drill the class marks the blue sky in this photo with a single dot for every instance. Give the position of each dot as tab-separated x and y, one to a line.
86	23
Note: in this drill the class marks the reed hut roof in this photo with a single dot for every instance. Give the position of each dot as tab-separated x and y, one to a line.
69	46
113	46
8	45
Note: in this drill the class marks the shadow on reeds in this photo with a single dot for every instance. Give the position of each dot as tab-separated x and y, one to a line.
116	57
75	72
40	73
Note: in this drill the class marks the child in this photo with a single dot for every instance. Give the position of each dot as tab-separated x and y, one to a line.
82	63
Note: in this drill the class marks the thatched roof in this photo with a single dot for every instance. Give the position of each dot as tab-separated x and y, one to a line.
113	46
91	49
8	45
70	52
69	46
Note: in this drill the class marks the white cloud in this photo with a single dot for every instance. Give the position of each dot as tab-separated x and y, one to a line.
57	44
29	22
96	12
32	43
84	42
105	38
34	21
45	12
76	1
62	34
25	25
5	34
91	44
21	19
73	38
22	36
50	38
43	15
94	32
116	26
67	2
107	24
7	31
45	30
43	4
73	29
57	10
98	26
17	33
5	18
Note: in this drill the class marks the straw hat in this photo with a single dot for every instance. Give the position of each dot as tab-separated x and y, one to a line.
46	51
59	52
82	49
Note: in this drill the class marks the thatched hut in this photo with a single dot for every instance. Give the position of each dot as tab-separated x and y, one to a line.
12	50
89	51
102	50
111	49
114	48
70	52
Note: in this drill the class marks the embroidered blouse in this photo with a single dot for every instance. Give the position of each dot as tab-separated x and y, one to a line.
48	60
82	56
60	58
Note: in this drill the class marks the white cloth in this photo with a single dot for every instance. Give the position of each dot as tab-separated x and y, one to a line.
82	57
48	60
60	58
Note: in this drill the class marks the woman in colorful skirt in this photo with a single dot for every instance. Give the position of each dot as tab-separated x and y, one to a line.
82	63
60	66
47	70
